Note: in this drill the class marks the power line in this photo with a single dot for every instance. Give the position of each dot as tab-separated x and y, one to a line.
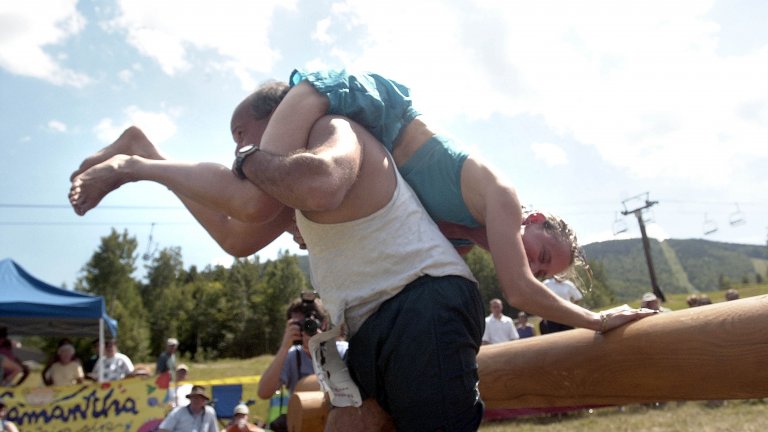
104	207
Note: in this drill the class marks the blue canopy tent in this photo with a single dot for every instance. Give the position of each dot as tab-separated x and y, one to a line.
31	307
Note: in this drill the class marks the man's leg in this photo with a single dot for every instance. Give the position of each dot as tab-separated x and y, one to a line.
417	355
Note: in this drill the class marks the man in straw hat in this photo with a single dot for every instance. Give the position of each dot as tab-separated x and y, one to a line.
197	416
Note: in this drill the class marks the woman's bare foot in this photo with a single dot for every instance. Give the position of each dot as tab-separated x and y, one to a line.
90	187
131	142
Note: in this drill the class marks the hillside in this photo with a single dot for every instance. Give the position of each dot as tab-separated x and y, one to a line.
681	265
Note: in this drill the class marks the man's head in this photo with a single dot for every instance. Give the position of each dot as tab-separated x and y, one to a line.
307	312
66	352
171	345
550	245
650	301
198	398
496	307
110	348
181	372
522	317
250	118
241	413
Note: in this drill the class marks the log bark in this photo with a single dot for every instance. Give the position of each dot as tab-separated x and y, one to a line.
718	351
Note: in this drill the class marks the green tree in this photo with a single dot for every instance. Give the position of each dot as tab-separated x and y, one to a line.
281	283
161	295
109	274
598	293
480	263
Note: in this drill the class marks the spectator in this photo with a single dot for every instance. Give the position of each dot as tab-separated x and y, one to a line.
166	364
197	416
498	327
650	301
5	425
524	328
566	290
166	361
240	421
178	394
704	300
115	364
66	369
732	294
692	300
15	368
292	361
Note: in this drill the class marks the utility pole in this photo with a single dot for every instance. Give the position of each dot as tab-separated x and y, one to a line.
638	212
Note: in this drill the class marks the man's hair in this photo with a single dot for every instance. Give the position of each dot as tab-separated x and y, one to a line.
266	98
299	306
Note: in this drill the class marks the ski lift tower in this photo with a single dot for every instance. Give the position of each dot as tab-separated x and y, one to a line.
638	212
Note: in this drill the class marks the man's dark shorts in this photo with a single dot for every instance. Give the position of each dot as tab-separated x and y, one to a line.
417	355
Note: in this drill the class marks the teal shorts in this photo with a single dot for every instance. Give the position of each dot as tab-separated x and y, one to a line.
381	106
417	355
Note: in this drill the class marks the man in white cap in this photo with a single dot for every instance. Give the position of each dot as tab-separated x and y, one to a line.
166	361
197	416
650	301
240	421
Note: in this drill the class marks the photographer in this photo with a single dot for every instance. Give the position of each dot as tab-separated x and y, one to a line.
292	362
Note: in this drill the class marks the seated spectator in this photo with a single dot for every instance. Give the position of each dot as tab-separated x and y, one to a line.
198	416
732	294
65	369
115	364
15	374
178	394
704	300
650	301
292	362
240	421
524	328
692	300
5	425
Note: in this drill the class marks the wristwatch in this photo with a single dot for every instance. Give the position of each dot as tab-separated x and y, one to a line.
240	155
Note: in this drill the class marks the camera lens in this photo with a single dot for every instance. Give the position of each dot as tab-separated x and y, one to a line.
310	327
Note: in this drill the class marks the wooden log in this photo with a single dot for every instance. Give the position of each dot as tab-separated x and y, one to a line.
718	351
307	411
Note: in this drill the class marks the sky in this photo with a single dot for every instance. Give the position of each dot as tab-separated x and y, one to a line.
588	108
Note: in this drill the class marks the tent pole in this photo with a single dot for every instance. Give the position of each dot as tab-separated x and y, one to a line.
101	350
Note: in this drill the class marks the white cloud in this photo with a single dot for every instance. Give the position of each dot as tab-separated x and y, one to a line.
57	126
27	28
643	83
237	31
158	126
550	154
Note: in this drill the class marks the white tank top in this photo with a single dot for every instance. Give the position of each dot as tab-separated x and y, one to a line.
356	266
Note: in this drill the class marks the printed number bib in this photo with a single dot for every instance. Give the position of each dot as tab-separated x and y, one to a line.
331	371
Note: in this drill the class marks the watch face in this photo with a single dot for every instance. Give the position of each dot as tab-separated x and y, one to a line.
246	149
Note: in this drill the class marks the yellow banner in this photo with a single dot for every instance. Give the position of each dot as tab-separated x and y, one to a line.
131	405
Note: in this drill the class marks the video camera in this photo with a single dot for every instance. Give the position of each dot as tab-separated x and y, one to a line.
312	321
